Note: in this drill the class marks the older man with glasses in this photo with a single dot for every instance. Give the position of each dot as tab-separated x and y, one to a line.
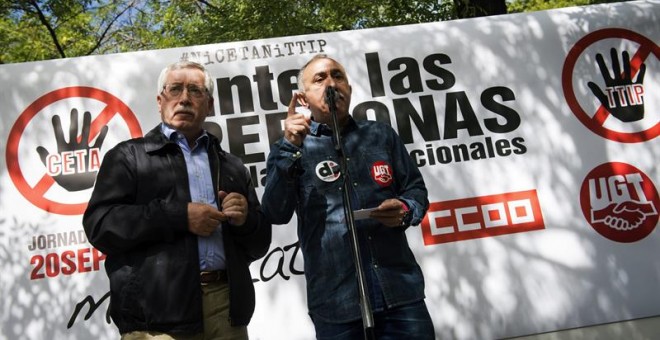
179	221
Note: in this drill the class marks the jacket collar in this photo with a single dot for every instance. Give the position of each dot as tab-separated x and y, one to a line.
155	140
317	129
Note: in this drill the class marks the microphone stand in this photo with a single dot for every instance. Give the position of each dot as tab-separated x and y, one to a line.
365	305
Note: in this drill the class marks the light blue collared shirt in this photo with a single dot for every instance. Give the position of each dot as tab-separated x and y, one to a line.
211	249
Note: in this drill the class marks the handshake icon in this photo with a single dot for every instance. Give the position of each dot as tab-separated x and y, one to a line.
624	216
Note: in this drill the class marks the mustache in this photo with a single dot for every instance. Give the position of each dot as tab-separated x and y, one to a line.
332	95
184	111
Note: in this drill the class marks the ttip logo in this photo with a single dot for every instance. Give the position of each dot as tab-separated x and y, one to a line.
483	216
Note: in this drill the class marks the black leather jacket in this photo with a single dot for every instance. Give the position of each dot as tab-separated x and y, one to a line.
137	216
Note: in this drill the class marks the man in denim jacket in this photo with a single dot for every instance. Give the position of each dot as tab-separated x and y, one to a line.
303	176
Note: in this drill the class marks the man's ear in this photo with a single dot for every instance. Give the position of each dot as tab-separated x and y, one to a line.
302	99
211	107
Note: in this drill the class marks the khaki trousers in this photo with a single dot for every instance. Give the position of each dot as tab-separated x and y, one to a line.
216	319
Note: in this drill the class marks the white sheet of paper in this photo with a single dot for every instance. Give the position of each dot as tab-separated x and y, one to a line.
362	213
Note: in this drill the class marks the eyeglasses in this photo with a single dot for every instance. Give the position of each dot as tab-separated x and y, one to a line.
175	90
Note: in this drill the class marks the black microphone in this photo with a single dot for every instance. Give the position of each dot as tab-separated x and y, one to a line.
331	97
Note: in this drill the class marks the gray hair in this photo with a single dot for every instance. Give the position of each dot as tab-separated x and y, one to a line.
301	85
179	65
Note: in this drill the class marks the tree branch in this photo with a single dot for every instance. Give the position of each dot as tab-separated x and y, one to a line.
209	5
100	39
51	31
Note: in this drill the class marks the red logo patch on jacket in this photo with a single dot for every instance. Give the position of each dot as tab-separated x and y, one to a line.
381	172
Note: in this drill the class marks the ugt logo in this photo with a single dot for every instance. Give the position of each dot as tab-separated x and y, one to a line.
620	202
381	172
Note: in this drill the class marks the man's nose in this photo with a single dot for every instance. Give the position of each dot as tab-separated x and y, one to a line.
185	95
330	81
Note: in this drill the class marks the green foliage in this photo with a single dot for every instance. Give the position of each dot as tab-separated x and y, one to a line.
237	20
46	29
20	40
538	5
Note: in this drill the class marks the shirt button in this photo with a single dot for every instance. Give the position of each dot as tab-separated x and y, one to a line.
355	184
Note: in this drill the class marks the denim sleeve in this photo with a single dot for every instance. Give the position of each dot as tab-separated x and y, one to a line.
280	194
412	189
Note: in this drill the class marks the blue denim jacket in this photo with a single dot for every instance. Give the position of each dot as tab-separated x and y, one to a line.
302	180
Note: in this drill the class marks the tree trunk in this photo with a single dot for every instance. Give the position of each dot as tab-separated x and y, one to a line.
479	8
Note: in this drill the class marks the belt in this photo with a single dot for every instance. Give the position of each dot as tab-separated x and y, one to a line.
206	277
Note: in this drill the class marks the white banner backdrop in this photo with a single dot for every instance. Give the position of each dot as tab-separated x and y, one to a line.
536	135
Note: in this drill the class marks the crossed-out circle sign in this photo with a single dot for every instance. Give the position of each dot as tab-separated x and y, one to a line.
35	193
647	52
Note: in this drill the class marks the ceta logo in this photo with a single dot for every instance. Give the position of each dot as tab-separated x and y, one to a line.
620	202
56	174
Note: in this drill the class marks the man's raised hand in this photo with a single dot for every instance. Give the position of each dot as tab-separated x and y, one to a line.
296	125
